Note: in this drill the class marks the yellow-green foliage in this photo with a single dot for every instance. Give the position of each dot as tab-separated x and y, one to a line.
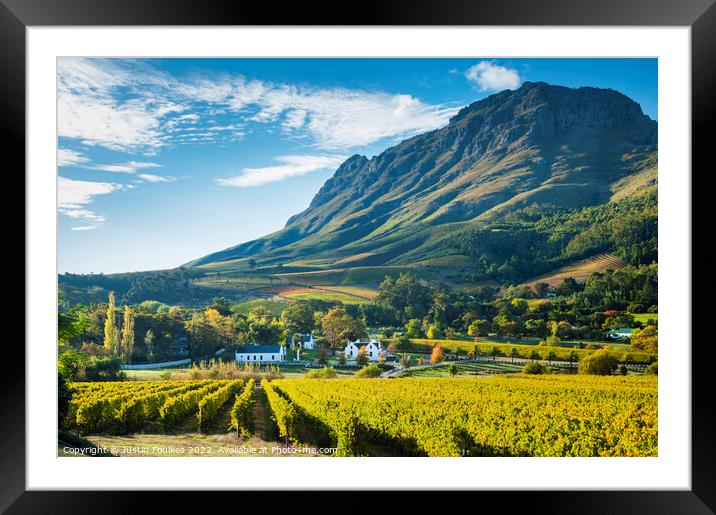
284	414
241	420
96	408
178	407
551	415
524	351
212	402
142	408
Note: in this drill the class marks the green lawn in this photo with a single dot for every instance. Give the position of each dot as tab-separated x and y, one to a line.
275	307
644	317
329	296
150	375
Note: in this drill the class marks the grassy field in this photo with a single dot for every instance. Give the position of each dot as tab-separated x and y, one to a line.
273	306
579	270
645	317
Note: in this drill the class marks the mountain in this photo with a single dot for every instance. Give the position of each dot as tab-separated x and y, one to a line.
544	145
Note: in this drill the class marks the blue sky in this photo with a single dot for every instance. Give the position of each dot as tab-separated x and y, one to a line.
161	161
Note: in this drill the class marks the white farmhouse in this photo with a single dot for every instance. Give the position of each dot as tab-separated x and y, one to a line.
260	354
373	349
306	340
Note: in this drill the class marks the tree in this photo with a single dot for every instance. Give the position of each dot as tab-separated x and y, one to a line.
407	295
519	306
541	289
127	343
405	360
453	370
562	330
421	360
573	356
600	362
437	355
434	332
495	352
222	305
533	368
297	318
64	396
414	328
646	340
362	358
342	359
551	356
338	327
149	345
514	354
111	334
71	322
478	328
322	356
264	328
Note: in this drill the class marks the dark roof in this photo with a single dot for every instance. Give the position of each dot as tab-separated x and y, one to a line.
254	349
363	344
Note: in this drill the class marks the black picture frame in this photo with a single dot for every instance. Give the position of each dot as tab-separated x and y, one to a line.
700	15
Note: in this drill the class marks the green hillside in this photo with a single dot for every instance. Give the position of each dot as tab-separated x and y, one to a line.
516	184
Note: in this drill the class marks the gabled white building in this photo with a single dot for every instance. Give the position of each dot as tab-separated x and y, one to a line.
260	354
373	349
306	341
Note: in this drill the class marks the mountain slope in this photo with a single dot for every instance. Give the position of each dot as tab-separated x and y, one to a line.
539	144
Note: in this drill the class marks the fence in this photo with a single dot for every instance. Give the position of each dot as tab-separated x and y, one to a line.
164	364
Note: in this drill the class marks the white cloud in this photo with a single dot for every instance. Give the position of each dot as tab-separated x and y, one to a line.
68	157
290	166
130	106
488	76
83	228
91	111
73	195
154	178
130	167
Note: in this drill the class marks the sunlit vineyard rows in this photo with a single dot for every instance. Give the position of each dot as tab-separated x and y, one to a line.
124	406
500	416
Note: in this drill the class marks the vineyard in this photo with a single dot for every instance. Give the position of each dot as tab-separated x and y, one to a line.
505	415
123	407
500	416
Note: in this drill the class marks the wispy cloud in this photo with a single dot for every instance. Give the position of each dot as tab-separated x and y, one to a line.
73	196
290	166
131	106
130	167
149	177
69	157
83	228
488	76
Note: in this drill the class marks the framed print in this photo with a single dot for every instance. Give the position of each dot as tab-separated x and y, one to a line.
419	252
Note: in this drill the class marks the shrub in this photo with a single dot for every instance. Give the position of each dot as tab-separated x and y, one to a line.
652	369
322	373
601	362
534	368
368	372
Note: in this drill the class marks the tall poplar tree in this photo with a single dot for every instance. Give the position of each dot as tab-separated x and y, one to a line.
111	334
127	344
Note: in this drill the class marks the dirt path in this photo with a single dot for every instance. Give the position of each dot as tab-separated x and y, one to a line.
264	427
